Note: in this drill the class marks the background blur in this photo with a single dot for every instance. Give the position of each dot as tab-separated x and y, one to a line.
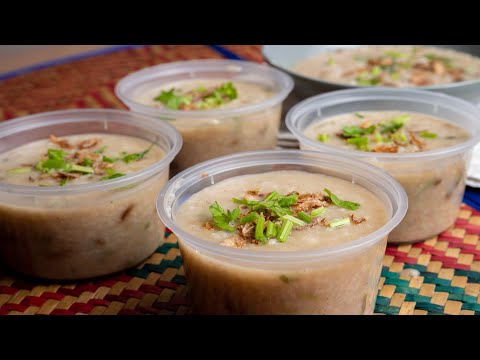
18	56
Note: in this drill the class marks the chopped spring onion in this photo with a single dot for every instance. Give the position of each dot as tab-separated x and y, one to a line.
285	230
339	222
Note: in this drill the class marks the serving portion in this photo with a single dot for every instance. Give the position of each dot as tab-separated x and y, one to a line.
427	152
77	159
387	132
297	238
391	65
80	205
220	107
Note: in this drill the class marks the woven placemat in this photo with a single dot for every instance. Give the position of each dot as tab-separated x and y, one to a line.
438	276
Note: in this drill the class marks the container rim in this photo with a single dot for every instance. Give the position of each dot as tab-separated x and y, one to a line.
386	183
31	122
194	68
466	109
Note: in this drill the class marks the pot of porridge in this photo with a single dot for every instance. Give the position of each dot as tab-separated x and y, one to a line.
76	190
220	107
450	69
421	138
282	232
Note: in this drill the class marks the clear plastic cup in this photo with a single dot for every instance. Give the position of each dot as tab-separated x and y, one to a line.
337	280
434	180
211	133
86	230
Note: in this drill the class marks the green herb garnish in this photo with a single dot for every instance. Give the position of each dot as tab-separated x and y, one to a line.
367	82
137	156
56	154
87	162
56	162
395	54
400	138
112	176
271	230
285	231
222	218
224	93
360	142
357	131
317	212
359	115
249	218
294	220
108	159
63	182
277	204
342	203
306	218
446	61
394	125
82	169
101	150
259	229
339	222
330	61
395	76
377	70
323	137
172	101
23	170
428	135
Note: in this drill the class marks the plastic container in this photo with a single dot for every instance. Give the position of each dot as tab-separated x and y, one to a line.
87	230
211	133
336	280
434	180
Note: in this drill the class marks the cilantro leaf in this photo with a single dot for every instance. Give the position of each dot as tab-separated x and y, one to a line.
342	203
51	164
172	101
224	93
288	201
137	156
222	218
56	154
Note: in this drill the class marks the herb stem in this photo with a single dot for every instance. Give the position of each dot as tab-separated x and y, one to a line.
339	222
259	228
285	230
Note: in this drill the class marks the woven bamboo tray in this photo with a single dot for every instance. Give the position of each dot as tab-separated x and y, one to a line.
438	276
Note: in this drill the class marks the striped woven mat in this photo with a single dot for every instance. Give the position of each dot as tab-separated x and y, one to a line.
438	276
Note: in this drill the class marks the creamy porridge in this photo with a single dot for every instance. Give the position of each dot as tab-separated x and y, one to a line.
391	65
